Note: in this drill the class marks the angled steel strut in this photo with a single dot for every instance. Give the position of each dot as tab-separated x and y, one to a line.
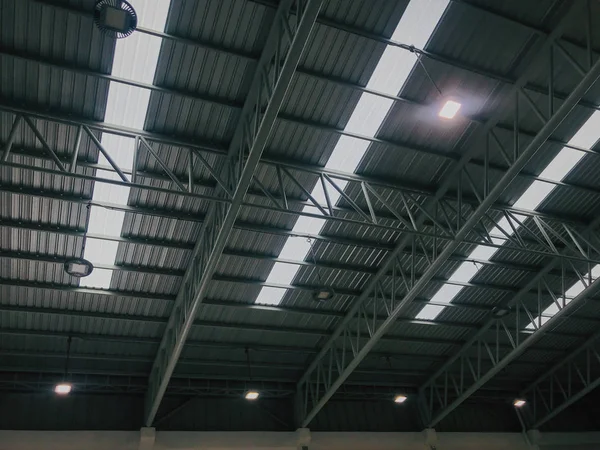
287	39
331	367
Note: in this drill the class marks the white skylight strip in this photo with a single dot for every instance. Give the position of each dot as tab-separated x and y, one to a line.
136	59
556	170
395	65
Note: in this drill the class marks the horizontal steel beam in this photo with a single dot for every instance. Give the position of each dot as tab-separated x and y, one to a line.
249	281
264	230
102	381
241	326
524	224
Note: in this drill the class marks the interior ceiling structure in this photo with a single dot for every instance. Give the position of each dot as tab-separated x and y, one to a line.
231	161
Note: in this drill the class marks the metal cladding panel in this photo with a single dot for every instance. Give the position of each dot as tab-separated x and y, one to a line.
42	211
145	282
56	35
300	142
53	33
51	88
76	325
198	70
174	230
490	42
40	182
530	13
34	271
244	267
229	335
378	16
36	243
319	101
232	23
72	301
402	164
186	117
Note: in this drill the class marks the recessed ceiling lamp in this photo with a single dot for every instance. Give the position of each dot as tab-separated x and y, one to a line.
115	17
400	398
251	395
500	311
78	267
323	295
519	403
63	388
449	109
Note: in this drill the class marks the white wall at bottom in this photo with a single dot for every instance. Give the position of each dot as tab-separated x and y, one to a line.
175	440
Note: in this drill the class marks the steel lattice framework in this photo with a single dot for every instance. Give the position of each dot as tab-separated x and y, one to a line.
289	34
431	222
330	368
568	381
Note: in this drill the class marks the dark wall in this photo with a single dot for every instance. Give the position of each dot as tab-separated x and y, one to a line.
124	412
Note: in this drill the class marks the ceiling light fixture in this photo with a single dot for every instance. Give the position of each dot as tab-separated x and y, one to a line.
500	311
323	295
519	403
400	398
63	388
115	17
449	109
78	267
251	395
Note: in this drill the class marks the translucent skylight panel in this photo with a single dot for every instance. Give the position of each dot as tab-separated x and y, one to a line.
282	273
135	59
99	278
368	115
104	251
106	222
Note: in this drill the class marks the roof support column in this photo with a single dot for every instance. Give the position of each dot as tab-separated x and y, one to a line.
285	44
147	438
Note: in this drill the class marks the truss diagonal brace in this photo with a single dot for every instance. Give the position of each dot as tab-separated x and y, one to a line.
287	39
314	390
567	382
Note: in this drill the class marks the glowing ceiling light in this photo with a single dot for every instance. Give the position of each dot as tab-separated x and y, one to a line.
519	403
251	395
400	398
449	110
63	388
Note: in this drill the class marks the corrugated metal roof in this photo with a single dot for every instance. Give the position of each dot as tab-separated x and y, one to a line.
119	330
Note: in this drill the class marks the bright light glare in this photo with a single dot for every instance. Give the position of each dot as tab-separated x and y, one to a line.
63	388
400	399
395	65
449	110
252	395
519	403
